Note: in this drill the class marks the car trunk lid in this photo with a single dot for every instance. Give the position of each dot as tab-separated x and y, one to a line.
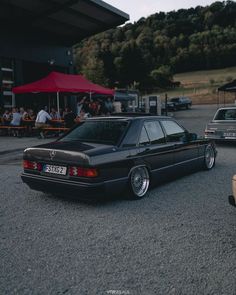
222	128
60	152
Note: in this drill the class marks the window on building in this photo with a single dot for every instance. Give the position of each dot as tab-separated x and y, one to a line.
7	82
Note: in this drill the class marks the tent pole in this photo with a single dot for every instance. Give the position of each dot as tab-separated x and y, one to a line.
49	103
90	95
58	106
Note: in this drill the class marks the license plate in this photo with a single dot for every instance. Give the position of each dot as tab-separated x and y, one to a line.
54	169
230	135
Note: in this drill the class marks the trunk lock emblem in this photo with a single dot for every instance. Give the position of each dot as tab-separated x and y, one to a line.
52	154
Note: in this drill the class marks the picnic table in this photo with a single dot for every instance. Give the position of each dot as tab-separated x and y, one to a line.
27	128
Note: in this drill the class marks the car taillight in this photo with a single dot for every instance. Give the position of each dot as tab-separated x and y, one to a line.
32	165
83	172
209	131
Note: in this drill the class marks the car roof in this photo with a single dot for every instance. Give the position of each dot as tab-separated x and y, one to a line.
227	108
127	117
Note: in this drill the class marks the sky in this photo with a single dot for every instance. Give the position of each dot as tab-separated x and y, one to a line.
143	8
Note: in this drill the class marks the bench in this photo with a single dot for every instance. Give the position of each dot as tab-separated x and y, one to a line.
52	129
55	129
13	128
23	129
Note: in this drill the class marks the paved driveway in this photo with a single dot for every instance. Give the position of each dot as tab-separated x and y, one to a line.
179	240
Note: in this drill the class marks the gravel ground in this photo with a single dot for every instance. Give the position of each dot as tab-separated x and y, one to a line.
179	240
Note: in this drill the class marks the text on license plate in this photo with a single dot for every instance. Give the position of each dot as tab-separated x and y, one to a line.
230	135
54	169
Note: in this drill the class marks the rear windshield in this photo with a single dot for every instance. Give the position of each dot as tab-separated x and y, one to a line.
107	132
229	114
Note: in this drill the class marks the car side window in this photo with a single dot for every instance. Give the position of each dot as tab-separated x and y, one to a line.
143	139
155	132
173	131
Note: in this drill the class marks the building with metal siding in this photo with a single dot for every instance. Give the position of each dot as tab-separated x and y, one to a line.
36	37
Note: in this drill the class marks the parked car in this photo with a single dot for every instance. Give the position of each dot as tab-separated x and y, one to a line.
111	154
177	103
169	106
232	198
223	125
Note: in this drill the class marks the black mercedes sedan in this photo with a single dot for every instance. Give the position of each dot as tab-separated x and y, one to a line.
114	154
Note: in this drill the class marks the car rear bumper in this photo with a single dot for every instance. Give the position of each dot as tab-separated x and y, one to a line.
220	138
82	190
220	135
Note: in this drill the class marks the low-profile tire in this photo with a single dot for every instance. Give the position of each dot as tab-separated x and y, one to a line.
209	157
139	182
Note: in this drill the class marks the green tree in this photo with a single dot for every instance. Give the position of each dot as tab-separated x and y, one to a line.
162	76
94	71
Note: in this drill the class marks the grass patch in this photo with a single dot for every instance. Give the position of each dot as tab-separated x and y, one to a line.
201	86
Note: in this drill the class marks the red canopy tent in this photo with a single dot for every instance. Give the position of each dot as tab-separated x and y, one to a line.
59	82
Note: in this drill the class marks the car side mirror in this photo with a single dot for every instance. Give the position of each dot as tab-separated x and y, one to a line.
192	136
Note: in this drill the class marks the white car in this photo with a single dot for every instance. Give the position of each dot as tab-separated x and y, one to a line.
223	125
232	198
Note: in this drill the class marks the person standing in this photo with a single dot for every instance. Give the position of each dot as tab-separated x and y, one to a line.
109	106
69	118
41	120
80	105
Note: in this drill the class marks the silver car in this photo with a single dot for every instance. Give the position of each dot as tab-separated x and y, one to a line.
223	125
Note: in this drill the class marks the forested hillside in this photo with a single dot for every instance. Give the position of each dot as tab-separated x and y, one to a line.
148	52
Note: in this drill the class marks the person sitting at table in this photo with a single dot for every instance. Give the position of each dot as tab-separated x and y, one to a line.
54	114
6	117
16	120
28	120
23	113
31	115
56	118
16	117
41	120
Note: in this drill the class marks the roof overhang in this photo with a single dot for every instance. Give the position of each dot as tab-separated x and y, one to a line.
229	87
64	22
